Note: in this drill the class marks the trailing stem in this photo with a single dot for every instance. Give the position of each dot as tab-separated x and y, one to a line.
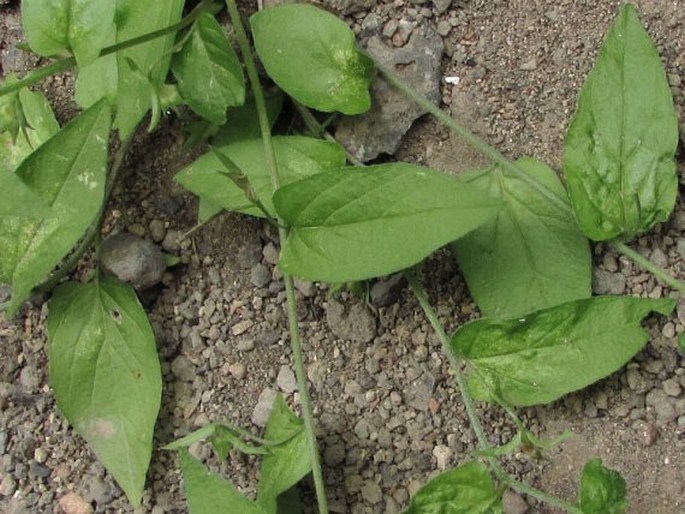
649	266
293	322
483	444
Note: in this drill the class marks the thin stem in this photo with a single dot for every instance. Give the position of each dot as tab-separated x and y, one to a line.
483	443
94	229
648	265
476	142
320	130
67	63
293	321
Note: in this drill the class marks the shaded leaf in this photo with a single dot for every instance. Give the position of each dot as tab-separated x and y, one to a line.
356	223
208	493
286	463
297	157
208	71
106	376
620	146
243	122
68	173
468	489
552	352
602	490
531	255
60	27
111	76
312	56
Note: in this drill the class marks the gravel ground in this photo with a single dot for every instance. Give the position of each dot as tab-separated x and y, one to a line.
389	414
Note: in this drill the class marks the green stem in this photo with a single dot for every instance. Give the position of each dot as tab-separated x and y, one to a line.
396	81
293	321
648	265
317	128
483	443
67	63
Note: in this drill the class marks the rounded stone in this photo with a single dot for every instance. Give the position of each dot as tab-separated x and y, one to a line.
133	260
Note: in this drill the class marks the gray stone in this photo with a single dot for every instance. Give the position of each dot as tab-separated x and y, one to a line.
260	275
441	5
444	27
420	391
7	485
604	282
382	127
286	380
238	370
371	492
183	369
662	404
387	291
334	454
350	6
512	503
354	323
28	378
172	241
305	287
659	258
157	230
265	403
672	387
133	260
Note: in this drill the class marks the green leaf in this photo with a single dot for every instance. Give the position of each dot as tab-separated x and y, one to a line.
207	209
468	489
243	121
58	27
621	142
208	493
208	71
552	352
681	343
352	224
198	435
68	173
112	77
312	56
297	157
39	126
532	255
106	375
602	490
287	463
17	200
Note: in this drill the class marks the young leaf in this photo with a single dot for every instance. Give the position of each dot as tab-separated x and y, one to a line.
207	209
622	140
312	56
68	173
356	223
17	200
602	490
209	74
39	125
57	27
297	156
112	77
198	435
531	256
468	489
208	493
106	376
286	463
552	352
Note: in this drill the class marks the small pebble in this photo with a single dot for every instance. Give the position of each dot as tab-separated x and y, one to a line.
443	455
172	241
371	492
157	230
669	330
137	230
672	387
265	403
245	345
238	370
260	275
444	27
241	327
7	486
286	380
40	455
529	65
72	503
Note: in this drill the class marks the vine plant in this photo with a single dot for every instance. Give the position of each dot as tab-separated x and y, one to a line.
520	238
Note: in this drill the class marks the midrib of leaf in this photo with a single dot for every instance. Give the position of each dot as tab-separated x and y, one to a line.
623	34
